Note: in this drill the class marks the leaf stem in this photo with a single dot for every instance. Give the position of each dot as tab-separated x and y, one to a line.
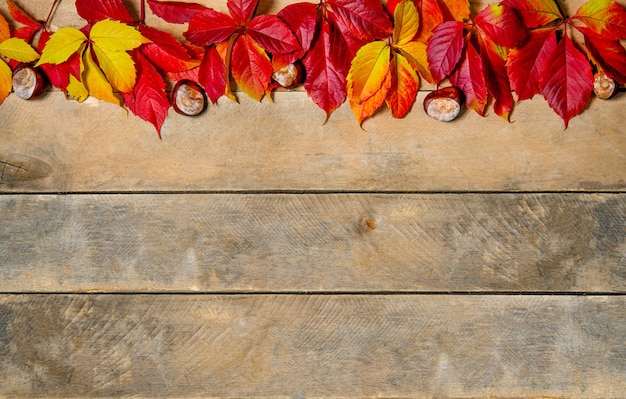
229	53
51	12
142	13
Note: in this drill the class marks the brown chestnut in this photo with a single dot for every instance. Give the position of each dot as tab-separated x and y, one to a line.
28	82
604	86
444	104
289	76
188	98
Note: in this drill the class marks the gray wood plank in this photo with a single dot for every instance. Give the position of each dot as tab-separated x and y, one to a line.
313	242
312	346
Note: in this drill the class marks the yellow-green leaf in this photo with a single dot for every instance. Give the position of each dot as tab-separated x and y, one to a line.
368	71
406	22
119	68
415	53
5	30
116	36
61	45
6	83
77	90
17	49
97	84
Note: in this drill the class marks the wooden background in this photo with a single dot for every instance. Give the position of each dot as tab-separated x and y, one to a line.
255	251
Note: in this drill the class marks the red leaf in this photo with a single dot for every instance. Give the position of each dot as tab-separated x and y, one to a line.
606	18
536	13
242	10
471	80
166	41
251	67
609	56
301	19
32	26
503	25
210	27
496	78
148	99
568	81
59	74
526	64
404	86
326	69
365	19
174	11
445	48
212	74
98	10
272	34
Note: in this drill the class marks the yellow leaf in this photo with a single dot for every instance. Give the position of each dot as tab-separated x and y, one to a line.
18	50
6	83
119	68
77	90
415	53
368	71
61	45
95	81
366	108
5	31
406	22
116	36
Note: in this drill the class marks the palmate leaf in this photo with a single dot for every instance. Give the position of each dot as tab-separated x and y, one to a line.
609	56
536	13
469	77
174	11
210	27
17	49
95	81
251	67
445	48
99	10
606	18
369	70
31	26
61	45
503	25
365	19
242	10
404	86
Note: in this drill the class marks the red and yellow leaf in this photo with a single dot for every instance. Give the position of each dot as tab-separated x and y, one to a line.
5	30
496	79
59	74
148	99
406	23
609	56
606	18
251	67
503	25
416	55
98	10
459	10
366	108
536	13
6	84
369	71
17	49
470	79
61	45
95	82
568	86
404	86
365	19
31	26
445	48
175	12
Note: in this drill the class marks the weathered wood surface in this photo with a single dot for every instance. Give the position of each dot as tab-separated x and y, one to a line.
308	243
312	346
55	145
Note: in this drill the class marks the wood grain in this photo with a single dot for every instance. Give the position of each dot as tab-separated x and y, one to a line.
312	346
309	243
285	145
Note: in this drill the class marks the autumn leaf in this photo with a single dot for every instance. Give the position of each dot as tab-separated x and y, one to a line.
5	30
5	81
61	45
606	18
98	10
17	49
469	77
174	11
445	48
609	56
503	25
403	88
536	13
31	26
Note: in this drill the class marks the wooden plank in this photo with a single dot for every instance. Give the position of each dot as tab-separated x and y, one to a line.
285	145
312	346
309	243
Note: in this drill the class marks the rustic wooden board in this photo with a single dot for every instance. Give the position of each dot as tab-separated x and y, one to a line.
314	242
312	346
56	145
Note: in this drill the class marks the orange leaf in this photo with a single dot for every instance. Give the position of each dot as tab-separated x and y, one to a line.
5	81
366	108
368	71
95	81
5	31
404	85
406	22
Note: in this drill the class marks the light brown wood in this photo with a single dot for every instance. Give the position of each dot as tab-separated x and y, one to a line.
312	346
309	243
285	145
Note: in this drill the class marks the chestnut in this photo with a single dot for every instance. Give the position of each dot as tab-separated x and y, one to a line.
604	86
28	82
289	76
444	104
188	98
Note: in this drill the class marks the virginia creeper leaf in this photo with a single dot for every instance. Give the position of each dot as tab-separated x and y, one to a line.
609	56
369	70
210	27
59	74
77	90
496	79
98	10
174	11
31	25
458	9
148	99
272	34
470	79
166	41
606	18
115	36
94	80
242	10
503	25
251	67
5	30
569	84
212	74
366	108
536	13
17	49
61	45
118	67
416	54
404	86
525	65
165	52
445	48
6	82
406	24
366	19
301	19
